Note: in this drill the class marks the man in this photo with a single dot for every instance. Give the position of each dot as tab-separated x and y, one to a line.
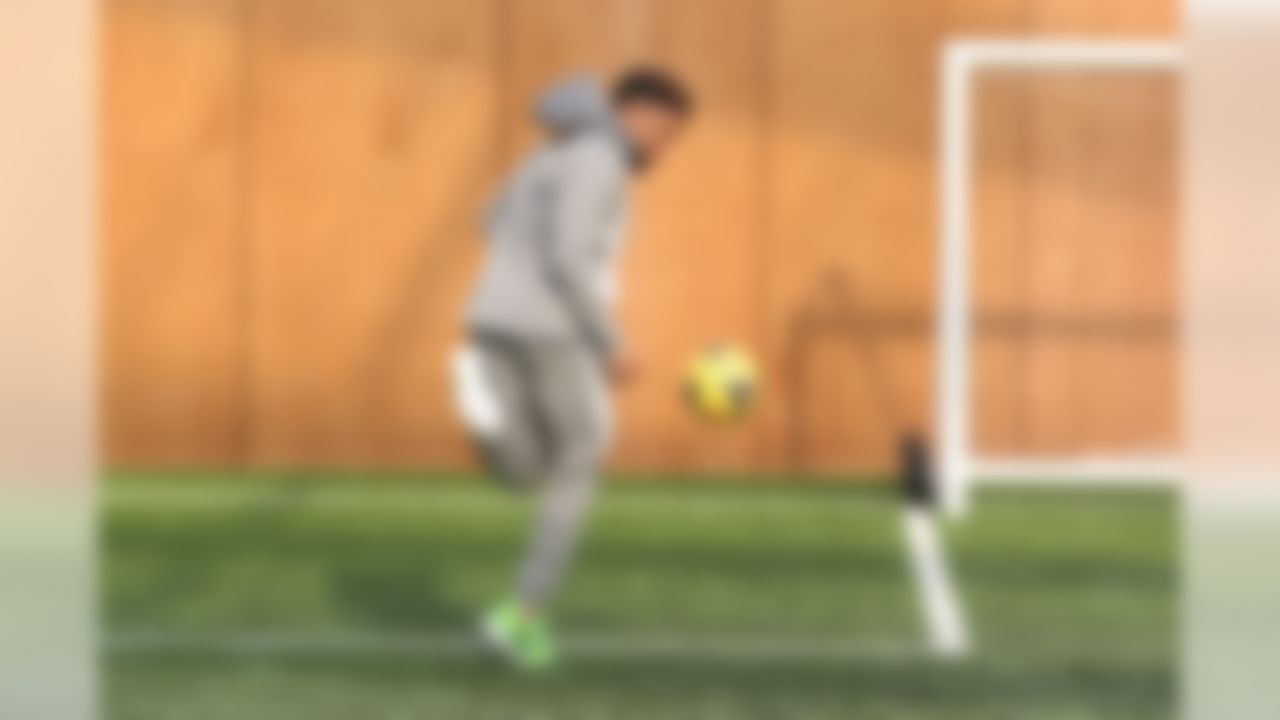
533	380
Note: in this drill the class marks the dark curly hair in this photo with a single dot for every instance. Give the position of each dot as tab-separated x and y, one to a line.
655	86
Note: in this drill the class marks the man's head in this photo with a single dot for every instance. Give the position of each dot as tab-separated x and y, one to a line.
652	108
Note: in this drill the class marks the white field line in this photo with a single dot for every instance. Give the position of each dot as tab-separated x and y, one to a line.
939	601
457	645
339	500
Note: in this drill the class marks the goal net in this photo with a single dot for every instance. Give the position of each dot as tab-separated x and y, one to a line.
961	459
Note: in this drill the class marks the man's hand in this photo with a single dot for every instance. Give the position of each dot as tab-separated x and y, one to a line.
622	368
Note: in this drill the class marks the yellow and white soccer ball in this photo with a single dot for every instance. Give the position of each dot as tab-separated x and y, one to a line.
722	384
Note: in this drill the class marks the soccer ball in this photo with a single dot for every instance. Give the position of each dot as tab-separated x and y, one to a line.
721	384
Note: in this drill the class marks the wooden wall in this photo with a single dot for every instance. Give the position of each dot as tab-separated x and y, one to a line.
292	188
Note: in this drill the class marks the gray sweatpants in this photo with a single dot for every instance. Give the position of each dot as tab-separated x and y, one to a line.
539	412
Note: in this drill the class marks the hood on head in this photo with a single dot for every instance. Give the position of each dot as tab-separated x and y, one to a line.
572	106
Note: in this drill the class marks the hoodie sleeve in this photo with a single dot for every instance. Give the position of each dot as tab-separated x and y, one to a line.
585	198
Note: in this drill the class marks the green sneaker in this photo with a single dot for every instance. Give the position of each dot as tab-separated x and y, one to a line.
525	642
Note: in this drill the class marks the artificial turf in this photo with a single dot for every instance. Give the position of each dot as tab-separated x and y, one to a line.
320	595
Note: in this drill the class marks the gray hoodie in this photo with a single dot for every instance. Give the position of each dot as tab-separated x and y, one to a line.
556	229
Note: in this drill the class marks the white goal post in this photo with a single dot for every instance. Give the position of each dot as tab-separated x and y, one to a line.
962	61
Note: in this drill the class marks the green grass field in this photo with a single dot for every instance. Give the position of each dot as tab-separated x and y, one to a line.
352	597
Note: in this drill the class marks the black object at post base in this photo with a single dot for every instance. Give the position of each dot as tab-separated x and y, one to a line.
916	472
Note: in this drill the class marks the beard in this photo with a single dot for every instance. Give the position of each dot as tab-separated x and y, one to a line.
639	160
